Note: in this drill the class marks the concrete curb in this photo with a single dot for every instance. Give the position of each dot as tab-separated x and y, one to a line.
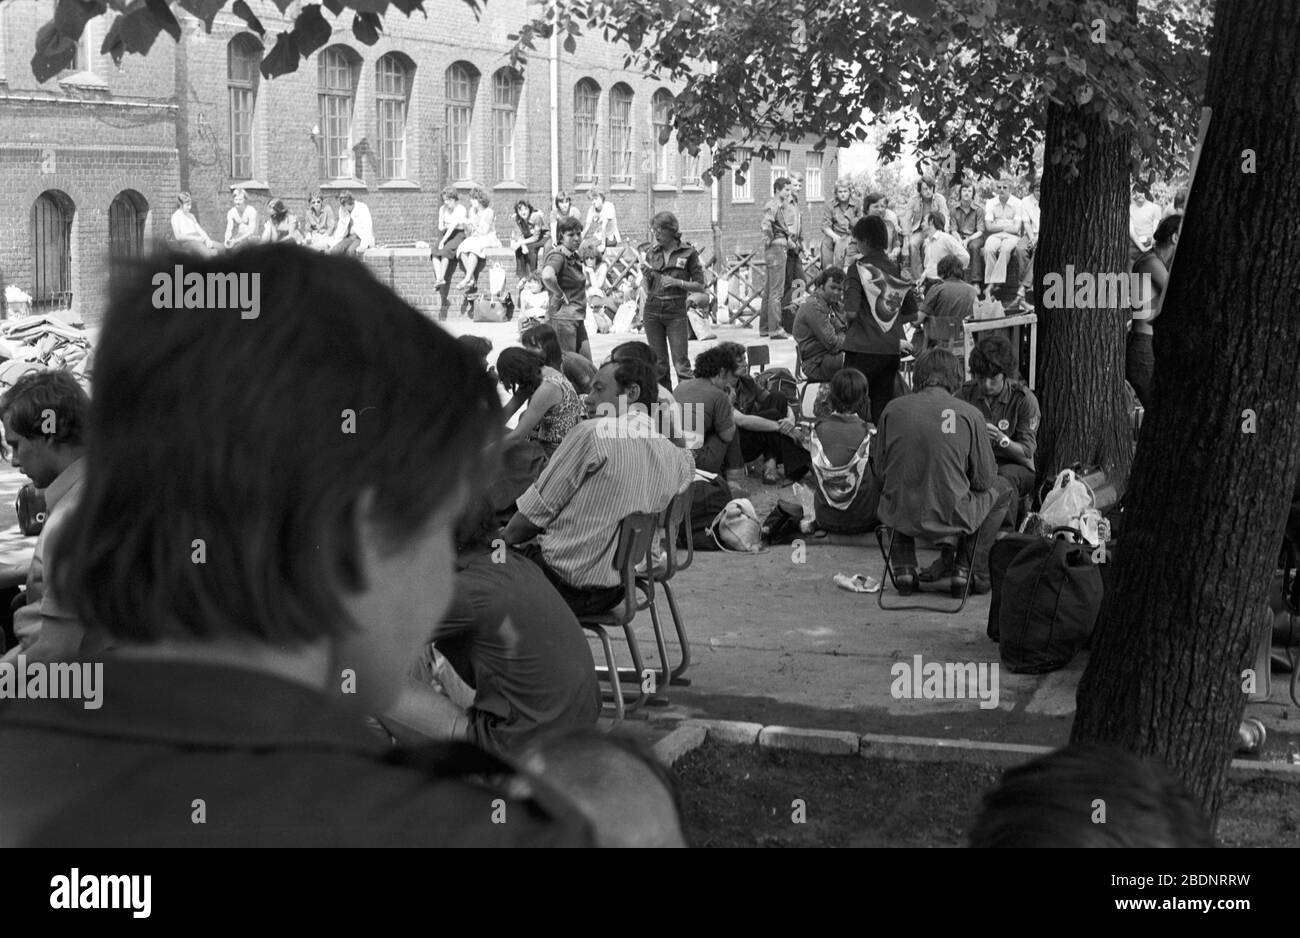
692	734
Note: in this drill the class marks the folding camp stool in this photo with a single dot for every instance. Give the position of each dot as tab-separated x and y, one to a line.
889	578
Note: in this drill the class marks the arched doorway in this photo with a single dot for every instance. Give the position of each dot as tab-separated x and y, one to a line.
52	251
126	222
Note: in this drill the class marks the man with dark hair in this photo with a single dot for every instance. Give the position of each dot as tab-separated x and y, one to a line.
708	421
354	234
1011	414
1053	802
1140	361
266	532
936	245
765	426
782	237
818	328
947	304
968	225
566	281
608	466
44	417
938	477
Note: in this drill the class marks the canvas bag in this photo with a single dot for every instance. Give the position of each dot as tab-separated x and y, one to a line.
736	528
1050	600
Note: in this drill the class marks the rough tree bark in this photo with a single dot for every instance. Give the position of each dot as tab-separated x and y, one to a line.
1205	508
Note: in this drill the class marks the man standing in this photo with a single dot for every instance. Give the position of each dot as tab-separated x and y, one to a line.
1140	358
566	281
782	236
609	466
1004	226
968	226
44	418
1143	216
355	232
837	226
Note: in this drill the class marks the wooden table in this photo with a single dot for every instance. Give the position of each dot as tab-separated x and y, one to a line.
1015	323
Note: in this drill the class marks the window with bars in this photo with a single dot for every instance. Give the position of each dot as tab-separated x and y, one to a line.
660	107
586	131
392	92
620	135
506	86
692	167
461	81
742	192
812	177
337	95
243	55
780	168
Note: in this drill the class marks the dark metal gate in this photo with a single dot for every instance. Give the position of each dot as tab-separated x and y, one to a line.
51	253
126	217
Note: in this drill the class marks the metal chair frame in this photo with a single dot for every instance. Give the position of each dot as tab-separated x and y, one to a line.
675	519
889	576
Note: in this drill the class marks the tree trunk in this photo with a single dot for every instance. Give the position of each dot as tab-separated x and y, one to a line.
1206	507
1081	351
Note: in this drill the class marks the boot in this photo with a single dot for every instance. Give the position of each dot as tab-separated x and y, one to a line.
902	559
942	568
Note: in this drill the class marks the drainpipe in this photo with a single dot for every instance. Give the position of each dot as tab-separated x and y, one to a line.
555	113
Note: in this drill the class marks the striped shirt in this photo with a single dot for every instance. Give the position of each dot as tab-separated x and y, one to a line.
605	469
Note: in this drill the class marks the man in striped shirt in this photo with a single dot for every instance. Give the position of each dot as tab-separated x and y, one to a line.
607	467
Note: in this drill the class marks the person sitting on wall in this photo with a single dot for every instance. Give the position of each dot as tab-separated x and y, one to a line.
187	232
837	227
967	218
481	237
452	220
355	232
818	329
938	477
241	221
280	225
319	223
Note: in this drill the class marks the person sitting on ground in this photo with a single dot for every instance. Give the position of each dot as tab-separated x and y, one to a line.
873	344
554	407
630	799
847	492
819	329
608	466
1052	802
481	236
837	227
1003	225
355	232
480	347
708	415
542	339
510	645
44	416
280	225
565	281
765	425
938	478
245	689
241	221
667	419
533	302
948	303
452	221
937	245
927	201
1140	359
187	231
319	222
967	218
531	236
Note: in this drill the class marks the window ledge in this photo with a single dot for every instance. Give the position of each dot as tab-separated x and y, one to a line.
622	187
87	81
583	186
352	183
255	185
742	201
694	187
403	184
510	187
663	187
464	184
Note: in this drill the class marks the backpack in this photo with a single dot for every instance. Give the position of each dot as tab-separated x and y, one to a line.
736	528
1049	603
779	380
709	497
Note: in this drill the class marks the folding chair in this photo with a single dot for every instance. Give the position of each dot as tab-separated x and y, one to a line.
889	578
760	355
635	533
676	518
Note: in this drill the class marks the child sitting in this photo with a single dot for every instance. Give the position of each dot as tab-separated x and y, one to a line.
847	492
533	303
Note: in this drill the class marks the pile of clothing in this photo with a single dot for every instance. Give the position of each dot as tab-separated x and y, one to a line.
39	343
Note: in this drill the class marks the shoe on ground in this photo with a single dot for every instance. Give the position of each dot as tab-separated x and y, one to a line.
905	580
980	585
941	569
957	585
779	335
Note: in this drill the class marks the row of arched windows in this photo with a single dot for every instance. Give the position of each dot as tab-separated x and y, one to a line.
52	216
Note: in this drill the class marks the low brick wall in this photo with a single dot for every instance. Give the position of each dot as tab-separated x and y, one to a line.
408	272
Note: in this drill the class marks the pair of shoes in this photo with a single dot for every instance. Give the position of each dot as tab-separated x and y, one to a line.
779	335
942	568
960	577
905	580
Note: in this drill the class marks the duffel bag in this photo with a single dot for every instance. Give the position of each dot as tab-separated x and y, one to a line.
1004	551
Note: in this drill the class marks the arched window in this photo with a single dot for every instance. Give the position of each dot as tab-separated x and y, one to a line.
462	81
660	107
336	94
392	93
52	250
126	220
620	135
586	131
243	56
506	85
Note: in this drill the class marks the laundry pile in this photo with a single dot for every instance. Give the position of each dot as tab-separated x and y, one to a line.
39	343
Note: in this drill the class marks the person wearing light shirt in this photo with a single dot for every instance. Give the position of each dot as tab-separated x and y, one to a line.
937	245
187	231
1143	216
355	232
1004	223
1030	214
241	221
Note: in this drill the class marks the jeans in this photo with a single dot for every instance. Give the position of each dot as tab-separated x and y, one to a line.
882	377
1140	366
972	550
584	601
1022	481
783	268
748	445
667	328
347	246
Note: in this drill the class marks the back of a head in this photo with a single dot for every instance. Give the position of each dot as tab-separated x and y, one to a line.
1091	796
47	404
937	368
629	798
258	438
872	230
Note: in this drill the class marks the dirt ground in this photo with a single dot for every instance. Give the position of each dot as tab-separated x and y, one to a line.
744	796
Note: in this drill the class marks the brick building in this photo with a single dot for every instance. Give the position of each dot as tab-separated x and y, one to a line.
94	157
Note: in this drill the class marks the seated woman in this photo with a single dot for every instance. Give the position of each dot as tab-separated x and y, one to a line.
187	231
818	330
531	236
452	219
481	238
554	407
847	492
534	303
280	224
577	368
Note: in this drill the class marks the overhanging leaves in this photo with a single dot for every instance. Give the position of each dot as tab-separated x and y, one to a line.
310	31
366	27
54	53
133	32
283	57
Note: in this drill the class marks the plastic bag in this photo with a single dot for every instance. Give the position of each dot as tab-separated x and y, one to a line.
1066	502
807	502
